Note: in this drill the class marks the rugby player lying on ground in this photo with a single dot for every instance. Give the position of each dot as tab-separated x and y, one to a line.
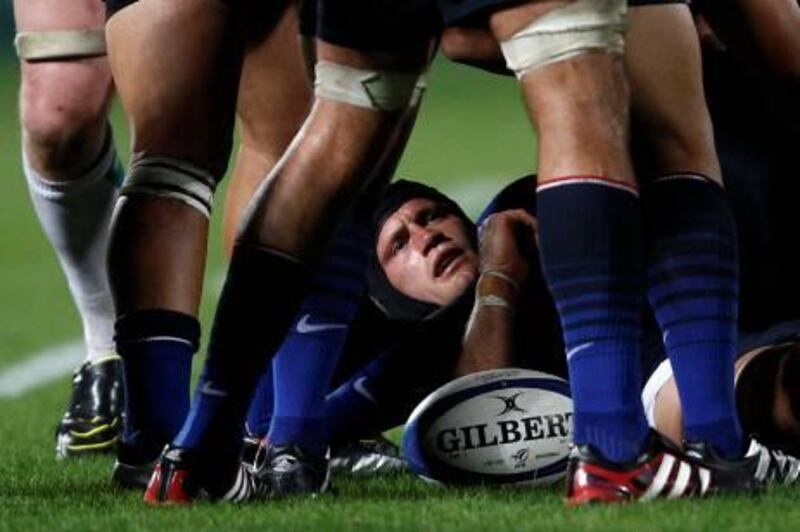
513	324
395	347
334	319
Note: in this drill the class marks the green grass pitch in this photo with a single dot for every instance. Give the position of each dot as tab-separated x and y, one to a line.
472	136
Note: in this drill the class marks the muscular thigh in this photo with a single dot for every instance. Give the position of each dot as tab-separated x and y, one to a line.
274	91
176	64
668	104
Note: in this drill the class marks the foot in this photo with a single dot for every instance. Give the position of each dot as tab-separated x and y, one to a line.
181	477
762	465
289	470
133	469
93	420
250	446
660	471
367	457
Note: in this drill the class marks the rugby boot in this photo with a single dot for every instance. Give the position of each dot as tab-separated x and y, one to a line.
182	476
93	420
132	469
367	457
764	464
250	446
660	471
286	470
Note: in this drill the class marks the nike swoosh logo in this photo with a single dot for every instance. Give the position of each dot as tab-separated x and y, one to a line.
210	390
359	387
304	327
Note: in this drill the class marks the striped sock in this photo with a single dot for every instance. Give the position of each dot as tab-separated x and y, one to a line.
590	245
692	281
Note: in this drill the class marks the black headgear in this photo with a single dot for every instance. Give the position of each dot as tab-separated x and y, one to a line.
393	303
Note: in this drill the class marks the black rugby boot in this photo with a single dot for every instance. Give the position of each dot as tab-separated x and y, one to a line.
132	469
286	470
368	457
760	466
93	420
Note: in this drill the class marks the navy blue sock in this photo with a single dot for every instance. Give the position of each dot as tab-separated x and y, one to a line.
692	285
590	245
259	415
367	404
307	360
261	295
157	348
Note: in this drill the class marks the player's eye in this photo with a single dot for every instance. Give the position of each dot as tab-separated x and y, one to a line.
398	243
432	214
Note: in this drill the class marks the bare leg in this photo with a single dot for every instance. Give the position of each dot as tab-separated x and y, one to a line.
73	176
177	66
683	202
158	248
64	129
671	119
589	237
349	142
274	98
579	107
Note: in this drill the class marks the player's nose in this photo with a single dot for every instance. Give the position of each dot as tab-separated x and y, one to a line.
428	239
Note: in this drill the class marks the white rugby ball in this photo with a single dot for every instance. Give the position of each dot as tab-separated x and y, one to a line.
505	426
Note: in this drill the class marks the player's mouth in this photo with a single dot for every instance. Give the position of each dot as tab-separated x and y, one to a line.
447	261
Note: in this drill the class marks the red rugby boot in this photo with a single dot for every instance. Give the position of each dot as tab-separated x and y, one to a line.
661	471
178	479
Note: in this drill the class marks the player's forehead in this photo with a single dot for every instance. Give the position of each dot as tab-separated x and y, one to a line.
406	213
413	206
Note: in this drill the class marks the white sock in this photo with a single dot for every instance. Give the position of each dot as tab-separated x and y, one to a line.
75	216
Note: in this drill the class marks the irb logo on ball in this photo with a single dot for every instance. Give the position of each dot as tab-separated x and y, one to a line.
497	426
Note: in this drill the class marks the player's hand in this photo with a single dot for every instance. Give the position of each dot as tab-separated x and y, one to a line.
505	241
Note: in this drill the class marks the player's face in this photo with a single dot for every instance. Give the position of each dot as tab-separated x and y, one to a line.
426	252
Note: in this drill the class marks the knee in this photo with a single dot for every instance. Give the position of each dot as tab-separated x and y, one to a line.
457	44
63	124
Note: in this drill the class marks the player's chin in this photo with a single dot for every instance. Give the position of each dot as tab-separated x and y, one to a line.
458	283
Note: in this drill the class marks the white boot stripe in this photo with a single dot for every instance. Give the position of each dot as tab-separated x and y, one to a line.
233	493
763	465
660	480
681	481
705	480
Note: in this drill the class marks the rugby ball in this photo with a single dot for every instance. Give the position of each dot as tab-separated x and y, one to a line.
506	426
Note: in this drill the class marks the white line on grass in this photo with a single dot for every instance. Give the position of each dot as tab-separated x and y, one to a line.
51	363
40	368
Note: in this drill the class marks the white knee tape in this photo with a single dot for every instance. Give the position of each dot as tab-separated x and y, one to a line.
66	44
378	90
172	178
566	32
